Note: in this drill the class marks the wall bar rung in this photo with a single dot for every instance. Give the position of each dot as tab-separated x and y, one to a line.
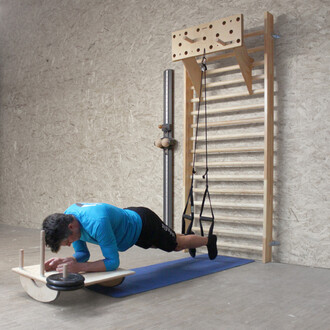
230	192
237	247
235	178
238	220
231	233
230	137
228	96
250	121
231	164
230	68
229	150
254	34
219	205
232	82
229	55
247	107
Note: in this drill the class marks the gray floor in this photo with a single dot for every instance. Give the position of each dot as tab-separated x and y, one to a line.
254	296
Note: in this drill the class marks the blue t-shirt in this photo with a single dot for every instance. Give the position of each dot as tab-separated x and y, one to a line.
112	228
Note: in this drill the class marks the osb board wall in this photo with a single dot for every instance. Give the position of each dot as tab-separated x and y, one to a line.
81	86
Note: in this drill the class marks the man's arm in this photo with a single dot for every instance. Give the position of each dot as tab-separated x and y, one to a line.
86	267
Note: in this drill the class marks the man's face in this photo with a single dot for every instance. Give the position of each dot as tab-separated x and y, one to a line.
68	241
74	228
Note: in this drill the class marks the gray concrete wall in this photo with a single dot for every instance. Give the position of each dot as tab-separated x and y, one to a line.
81	98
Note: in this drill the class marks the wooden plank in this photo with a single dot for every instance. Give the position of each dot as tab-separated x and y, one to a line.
42	252
191	42
188	143
237	122
269	137
239	108
37	290
228	96
33	272
194	72
245	64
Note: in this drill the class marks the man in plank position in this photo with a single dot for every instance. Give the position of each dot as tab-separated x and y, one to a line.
113	229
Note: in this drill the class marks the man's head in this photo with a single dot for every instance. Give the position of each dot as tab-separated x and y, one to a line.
60	229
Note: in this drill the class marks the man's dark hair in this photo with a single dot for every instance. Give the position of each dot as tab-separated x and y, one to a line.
56	229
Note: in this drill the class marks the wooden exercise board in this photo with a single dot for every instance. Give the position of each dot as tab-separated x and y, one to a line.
225	33
33	272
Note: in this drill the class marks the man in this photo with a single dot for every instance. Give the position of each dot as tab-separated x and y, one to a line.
113	229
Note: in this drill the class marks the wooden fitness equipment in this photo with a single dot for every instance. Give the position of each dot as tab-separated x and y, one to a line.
244	226
34	278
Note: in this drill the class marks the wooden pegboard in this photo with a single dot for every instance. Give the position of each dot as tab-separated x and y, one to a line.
225	33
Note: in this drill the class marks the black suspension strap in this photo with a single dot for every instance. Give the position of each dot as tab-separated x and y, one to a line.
206	194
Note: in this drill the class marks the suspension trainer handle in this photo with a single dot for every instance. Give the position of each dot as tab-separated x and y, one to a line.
205	218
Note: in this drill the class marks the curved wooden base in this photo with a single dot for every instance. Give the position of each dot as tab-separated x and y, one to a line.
113	283
38	290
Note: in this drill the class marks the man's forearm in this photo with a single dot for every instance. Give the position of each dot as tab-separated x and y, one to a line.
94	266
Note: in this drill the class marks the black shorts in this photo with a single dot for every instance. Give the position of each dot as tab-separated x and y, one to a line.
155	233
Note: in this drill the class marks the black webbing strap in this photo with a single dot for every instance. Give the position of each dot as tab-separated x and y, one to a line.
187	216
205	176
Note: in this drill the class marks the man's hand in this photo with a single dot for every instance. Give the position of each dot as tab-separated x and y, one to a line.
53	263
73	266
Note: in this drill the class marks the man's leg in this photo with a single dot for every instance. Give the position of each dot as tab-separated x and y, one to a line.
195	241
190	241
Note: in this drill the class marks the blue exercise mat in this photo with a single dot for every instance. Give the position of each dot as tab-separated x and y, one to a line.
167	273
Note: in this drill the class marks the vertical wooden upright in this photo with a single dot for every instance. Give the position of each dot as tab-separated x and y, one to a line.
188	143
269	137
